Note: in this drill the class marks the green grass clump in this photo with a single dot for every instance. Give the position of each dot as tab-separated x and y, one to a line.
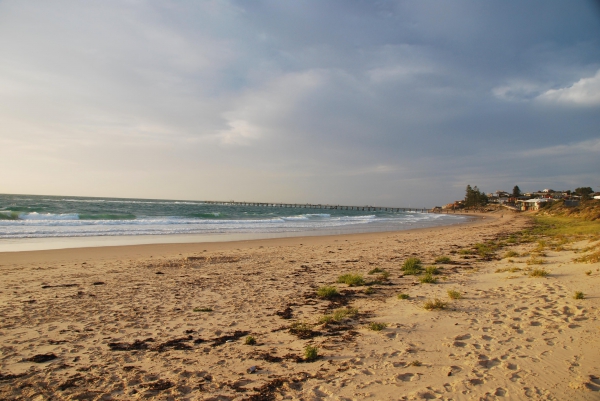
384	276
579	295
453	294
311	353
339	315
443	259
486	250
465	252
203	309
412	266
375	326
250	340
428	279
432	270
539	273
376	270
369	290
344	313
327	292
403	296
351	279
511	254
435	304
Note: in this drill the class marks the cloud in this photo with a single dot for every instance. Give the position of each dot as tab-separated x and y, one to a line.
585	92
572	149
342	101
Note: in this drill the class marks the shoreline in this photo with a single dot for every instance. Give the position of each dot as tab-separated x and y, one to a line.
178	248
49	243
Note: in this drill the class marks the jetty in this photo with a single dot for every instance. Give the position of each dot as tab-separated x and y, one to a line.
366	208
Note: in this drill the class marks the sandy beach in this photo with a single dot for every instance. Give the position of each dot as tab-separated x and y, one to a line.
170	321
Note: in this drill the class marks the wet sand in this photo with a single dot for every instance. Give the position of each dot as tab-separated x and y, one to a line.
169	321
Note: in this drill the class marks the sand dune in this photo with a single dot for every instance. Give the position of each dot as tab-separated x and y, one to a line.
170	321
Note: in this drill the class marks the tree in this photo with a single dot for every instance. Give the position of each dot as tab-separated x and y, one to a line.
474	197
582	191
516	191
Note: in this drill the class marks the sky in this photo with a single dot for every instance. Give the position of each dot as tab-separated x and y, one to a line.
390	103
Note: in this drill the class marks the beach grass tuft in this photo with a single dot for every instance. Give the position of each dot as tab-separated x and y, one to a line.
435	304
428	279
351	279
311	353
339	315
250	340
442	259
539	273
579	295
327	292
432	270
511	254
376	270
453	294
369	290
203	309
412	266
377	326
403	296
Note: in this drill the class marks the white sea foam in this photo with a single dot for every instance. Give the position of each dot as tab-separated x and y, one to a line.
37	225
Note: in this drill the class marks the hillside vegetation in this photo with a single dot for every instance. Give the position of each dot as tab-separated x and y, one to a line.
587	210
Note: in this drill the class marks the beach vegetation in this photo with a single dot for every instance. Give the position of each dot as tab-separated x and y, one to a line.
311	353
539	273
351	279
301	330
535	261
428	279
369	290
203	309
511	254
412	266
377	326
465	252
508	269
453	294
432	270
376	270
339	315
403	296
589	272
250	340
442	259
435	304
485	250
344	313
327	292
579	295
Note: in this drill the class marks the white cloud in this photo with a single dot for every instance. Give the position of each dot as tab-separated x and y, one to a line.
585	92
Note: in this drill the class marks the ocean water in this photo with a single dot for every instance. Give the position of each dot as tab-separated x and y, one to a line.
32	216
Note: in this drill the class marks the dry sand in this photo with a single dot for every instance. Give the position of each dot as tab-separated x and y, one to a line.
119	322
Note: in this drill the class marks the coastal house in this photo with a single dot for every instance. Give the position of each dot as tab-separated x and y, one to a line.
533	204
